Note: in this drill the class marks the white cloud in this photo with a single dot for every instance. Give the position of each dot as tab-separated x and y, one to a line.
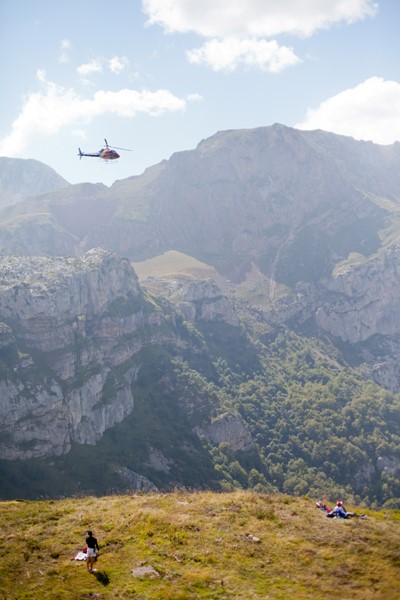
194	98
369	111
228	54
41	75
46	112
254	18
64	46
126	103
79	133
94	66
117	64
239	29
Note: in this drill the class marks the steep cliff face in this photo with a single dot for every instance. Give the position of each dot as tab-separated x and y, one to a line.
292	203
361	303
70	331
197	299
230	430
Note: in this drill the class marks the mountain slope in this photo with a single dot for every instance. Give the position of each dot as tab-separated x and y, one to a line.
104	386
269	195
279	373
20	178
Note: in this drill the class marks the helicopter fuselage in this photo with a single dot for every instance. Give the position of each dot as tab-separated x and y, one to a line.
106	153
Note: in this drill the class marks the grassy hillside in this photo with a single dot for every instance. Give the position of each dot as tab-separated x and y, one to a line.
240	546
174	263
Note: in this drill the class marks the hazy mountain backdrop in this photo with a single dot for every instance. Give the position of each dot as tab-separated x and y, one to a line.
229	318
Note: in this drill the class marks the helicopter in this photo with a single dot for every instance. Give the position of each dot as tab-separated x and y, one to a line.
106	153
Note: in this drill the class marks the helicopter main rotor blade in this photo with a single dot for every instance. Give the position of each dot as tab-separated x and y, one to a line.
118	148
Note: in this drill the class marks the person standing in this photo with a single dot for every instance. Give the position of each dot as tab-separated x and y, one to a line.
92	546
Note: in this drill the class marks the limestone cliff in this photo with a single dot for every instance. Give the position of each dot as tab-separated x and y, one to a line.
69	331
196	299
230	430
361	303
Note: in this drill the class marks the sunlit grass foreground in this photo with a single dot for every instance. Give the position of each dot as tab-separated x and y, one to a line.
240	545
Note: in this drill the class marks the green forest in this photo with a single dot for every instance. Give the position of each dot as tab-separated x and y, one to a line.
318	427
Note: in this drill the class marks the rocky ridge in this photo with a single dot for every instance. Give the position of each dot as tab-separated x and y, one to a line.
70	329
20	178
65	323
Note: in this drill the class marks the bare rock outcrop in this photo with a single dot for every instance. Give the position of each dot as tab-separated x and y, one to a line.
135	481
66	325
228	429
363	298
197	299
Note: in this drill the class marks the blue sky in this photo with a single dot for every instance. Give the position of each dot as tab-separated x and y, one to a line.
158	76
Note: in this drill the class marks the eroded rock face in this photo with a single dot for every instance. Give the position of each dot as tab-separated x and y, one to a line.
360	305
200	299
364	298
208	307
70	329
136	482
34	288
365	475
389	464
228	429
158	461
65	325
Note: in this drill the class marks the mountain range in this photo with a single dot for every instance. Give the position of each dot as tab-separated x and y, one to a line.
269	360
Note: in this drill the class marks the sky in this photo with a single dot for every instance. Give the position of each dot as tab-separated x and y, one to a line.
158	76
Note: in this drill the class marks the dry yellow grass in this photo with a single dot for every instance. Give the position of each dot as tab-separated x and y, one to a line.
174	263
202	545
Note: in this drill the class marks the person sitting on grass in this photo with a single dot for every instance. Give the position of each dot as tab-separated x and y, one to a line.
339	511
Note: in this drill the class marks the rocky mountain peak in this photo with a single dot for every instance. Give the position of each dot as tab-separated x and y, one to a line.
20	178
